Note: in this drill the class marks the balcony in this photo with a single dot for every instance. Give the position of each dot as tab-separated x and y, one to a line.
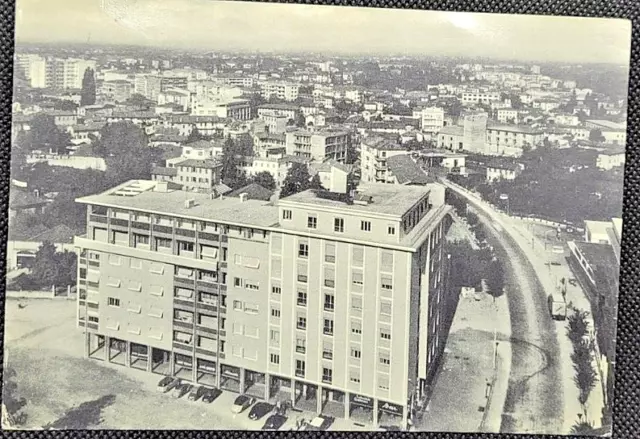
301	349
167	230
186	232
119	222
327	379
186	324
98	219
300	373
327	355
140	226
202	236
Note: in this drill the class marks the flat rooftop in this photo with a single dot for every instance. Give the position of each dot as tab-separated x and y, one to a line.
387	199
143	196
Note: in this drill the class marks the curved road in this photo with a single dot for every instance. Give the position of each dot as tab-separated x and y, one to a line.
535	396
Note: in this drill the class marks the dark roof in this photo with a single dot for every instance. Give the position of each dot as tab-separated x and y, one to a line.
271	136
279	107
254	192
203	144
60	234
406	171
193	119
209	164
382	143
599	256
170	172
24	200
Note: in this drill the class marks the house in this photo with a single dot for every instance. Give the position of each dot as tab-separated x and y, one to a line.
23	202
612	132
24	242
333	175
84	133
252	191
318	145
192	174
512	140
268	144
453	162
611	158
374	153
404	170
507	115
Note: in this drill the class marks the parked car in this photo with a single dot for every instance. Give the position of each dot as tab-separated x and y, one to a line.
242	403
210	395
181	390
319	423
196	393
274	422
260	410
167	383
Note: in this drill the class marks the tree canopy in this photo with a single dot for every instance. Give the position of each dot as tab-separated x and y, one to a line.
44	135
265	179
88	92
233	155
297	180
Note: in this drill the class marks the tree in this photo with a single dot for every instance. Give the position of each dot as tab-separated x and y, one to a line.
11	401
572	103
297	180
44	136
316	183
120	138
194	136
45	266
595	135
265	179
300	121
65	105
583	428
88	93
139	101
495	278
231	160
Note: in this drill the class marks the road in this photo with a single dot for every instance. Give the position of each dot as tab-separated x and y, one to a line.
535	396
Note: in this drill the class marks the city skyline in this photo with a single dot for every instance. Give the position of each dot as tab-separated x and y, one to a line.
353	30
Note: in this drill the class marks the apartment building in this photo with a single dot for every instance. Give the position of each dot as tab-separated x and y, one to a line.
238	109
274	123
507	115
512	140
479	97
374	152
335	302
318	145
197	169
431	119
280	90
289	111
118	90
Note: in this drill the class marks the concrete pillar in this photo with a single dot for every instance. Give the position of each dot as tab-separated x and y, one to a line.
375	412
107	349
127	354
172	361
405	417
149	359
267	386
293	393
242	378
194	370
346	405
218	370
87	344
319	397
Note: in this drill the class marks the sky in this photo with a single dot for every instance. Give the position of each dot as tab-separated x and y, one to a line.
222	25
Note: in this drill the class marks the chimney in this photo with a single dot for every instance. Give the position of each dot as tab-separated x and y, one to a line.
162	186
188	204
244	197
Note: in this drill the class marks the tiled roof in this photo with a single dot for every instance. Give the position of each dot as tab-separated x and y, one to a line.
208	164
406	171
169	172
254	192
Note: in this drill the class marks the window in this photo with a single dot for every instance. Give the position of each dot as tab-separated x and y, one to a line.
252	331
156	312
303	250
163	243
301	323
356	278
330	252
329	277
237	282
141	239
113	282
385	308
93	319
301	345
207	321
356	328
185	272
134	286
312	222
385	334
384	359
237	305
302	298
114	302
237	328
185	246
338	225
358	256
391	230
135	263
300	368
275	312
328	327
302	273
274	336
276	268
182	337
365	226
208	252
327	375
183	293
251	285
329	302
207	343
115	260
134	308
356	353
207	276
236	351
274	358
286	214
386	282
354	376
356	303
183	316
383	383
276	290
386	261
251	308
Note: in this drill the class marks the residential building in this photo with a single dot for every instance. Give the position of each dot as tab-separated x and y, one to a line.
507	115
502	171
431	119
334	176
404	170
274	123
269	144
512	140
451	137
185	124
318	145
612	132
199	175
474	129
177	96
67	73
238	109
611	158
480	97
84	133
289	111
116	90
374	153
453	162
280	90
242	294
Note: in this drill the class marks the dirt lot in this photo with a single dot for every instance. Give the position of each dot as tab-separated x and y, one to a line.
66	391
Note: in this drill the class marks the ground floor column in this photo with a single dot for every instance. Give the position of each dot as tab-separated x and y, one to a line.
267	386
347	409
149	359
107	349
218	372
127	354
405	418
293	392
172	361
319	396
87	343
194	370
242	378
375	412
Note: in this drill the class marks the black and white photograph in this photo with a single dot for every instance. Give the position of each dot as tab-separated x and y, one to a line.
248	216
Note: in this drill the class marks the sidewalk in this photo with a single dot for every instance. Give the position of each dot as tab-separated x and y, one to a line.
470	389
